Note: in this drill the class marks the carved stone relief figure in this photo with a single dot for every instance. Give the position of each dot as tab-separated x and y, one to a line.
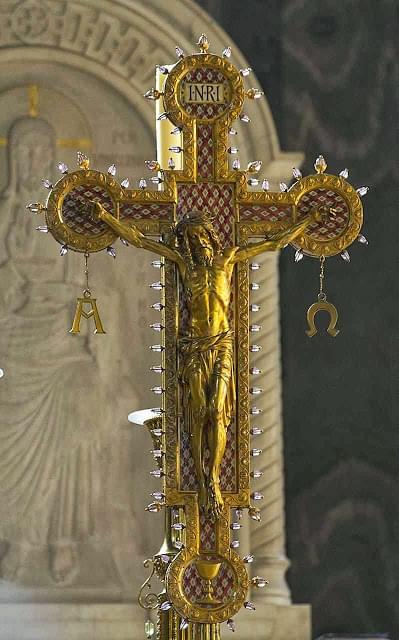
49	440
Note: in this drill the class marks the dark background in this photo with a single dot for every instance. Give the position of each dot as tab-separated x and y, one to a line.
331	78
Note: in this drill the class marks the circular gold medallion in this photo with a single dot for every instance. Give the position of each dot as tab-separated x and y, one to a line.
68	210
208	587
203	87
339	210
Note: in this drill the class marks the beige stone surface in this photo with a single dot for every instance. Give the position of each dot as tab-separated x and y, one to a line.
73	472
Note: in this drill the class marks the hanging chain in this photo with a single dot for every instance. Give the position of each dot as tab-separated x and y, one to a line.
322	296
87	292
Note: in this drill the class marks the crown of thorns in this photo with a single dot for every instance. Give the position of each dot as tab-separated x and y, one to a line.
193	218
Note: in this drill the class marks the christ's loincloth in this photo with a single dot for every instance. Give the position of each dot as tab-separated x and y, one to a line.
212	357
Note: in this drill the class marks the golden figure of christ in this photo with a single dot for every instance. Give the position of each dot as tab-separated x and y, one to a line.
206	350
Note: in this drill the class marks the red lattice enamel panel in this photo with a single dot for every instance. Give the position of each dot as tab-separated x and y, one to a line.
337	221
207	534
217	199
75	209
228	466
205	151
214	102
139	211
194	586
266	212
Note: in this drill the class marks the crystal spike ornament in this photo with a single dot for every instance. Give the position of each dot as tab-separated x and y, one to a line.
254	514
43	229
265	185
154	507
36	207
253	182
125	183
362	239
255	371
152	94
203	43
298	255
226	53
296	173
83	161
157	495
255	166
254	307
171	164
248	558
158	390
254	94
111	252
179	53
259	582
231	624
163	116
47	183
244	118
255	391
63	250
165	606
112	170
157	326
163	69
249	605
157	473
157	286
320	164
236	164
142	183
344	174
283	187
152	165
63	168
345	256
245	72
362	191
232	150
176	149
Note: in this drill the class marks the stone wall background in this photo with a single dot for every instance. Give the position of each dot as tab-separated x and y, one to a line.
330	72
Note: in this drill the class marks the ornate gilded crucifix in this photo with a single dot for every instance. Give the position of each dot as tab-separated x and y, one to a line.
207	224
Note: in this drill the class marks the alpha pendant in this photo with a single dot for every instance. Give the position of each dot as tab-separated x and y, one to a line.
92	313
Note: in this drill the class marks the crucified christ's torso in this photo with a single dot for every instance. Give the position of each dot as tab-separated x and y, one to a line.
208	290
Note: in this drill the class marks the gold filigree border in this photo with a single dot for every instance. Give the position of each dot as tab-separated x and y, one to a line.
317	248
171	99
78	242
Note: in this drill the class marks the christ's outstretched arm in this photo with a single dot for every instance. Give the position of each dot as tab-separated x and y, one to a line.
133	235
277	241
